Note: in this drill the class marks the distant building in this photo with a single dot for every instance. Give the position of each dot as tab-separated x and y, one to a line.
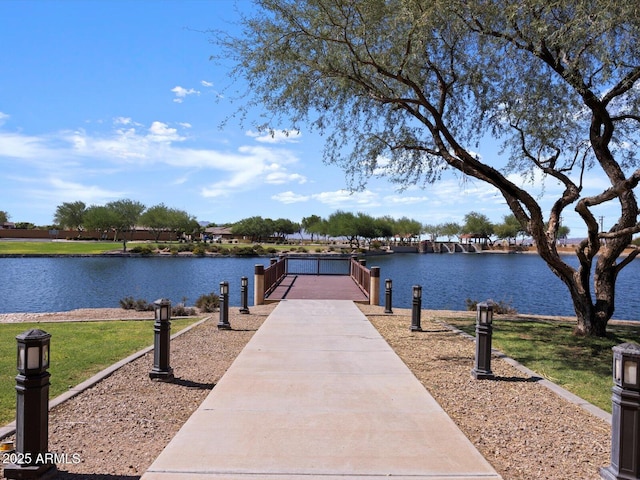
8	225
218	234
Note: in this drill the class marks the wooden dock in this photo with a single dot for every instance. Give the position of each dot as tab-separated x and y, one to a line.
318	287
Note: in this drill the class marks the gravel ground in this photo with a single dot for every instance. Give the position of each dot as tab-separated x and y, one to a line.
118	427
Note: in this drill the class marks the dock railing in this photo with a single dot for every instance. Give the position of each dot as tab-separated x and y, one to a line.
267	279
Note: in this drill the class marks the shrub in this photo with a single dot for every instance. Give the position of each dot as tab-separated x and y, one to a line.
143	306
208	303
199	250
501	307
142	249
185	247
127	303
139	305
181	311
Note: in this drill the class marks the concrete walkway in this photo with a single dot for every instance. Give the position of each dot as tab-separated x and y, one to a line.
318	394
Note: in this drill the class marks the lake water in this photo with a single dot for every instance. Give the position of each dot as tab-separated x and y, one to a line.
523	281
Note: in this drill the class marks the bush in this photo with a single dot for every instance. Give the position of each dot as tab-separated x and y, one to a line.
139	305
500	307
142	249
181	311
199	250
208	303
127	303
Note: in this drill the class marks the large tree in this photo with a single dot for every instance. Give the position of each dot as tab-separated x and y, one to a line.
127	212
70	215
419	82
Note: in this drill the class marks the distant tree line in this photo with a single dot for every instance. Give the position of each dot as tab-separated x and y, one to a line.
121	216
361	229
115	219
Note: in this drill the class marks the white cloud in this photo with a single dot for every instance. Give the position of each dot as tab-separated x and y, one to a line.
22	146
278	178
3	118
161	132
122	121
204	83
182	93
290	197
344	199
277	136
400	200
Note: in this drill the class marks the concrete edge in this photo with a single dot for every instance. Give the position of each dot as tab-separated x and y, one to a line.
10	428
558	390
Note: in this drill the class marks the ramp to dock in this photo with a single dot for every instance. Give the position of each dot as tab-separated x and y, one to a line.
318	394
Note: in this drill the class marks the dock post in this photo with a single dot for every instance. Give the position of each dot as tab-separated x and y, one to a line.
258	285
374	286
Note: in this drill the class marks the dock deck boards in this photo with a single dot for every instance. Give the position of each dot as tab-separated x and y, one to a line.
318	287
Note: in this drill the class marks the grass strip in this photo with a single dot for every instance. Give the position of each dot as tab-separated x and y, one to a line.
57	248
582	365
79	350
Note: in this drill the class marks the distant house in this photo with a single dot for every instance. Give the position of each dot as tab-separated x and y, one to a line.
218	234
8	225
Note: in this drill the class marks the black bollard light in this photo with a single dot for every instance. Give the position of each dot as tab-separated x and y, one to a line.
244	295
416	309
388	292
625	415
161	344
224	324
484	329
31	457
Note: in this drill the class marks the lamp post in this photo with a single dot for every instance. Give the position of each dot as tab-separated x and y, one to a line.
625	415
162	338
388	292
416	309
244	295
224	324
32	407
484	328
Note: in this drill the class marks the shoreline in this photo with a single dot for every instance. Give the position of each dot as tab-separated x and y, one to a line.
120	314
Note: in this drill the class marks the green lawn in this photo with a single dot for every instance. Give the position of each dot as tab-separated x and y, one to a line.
79	350
57	248
581	365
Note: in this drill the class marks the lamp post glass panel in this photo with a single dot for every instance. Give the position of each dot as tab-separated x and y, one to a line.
625	415
484	330
32	406
416	309
224	324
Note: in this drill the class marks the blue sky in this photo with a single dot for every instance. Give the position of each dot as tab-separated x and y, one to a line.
105	100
